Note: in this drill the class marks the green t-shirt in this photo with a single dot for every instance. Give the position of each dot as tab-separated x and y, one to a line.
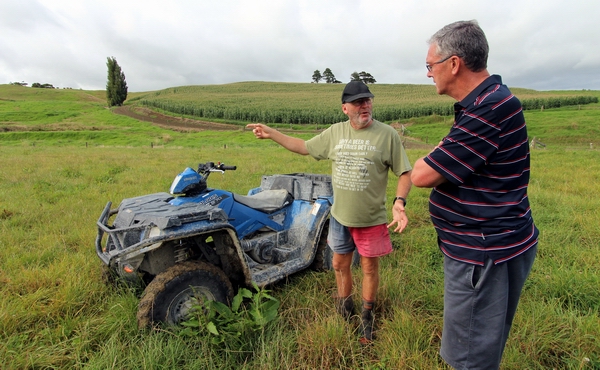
360	163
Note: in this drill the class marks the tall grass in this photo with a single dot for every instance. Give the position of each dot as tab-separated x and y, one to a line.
57	312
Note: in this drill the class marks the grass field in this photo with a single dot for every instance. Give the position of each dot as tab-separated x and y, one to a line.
63	156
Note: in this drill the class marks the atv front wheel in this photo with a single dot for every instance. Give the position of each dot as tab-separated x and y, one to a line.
170	297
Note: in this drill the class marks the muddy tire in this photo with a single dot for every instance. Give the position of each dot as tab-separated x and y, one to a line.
169	297
324	257
109	276
322	261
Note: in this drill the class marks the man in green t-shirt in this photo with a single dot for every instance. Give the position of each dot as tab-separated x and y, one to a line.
362	151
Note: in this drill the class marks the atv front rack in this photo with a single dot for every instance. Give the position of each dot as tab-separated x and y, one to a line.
147	228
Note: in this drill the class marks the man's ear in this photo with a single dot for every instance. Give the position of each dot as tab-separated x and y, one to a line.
344	109
456	65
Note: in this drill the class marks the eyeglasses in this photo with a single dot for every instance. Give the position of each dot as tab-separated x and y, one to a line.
359	102
430	66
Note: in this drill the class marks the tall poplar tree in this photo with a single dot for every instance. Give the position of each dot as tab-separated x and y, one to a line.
116	87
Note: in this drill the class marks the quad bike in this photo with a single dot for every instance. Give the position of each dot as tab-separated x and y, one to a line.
196	243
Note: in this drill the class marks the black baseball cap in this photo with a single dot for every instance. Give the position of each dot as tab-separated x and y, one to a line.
356	90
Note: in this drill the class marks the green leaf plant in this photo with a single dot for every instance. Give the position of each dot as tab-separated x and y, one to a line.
238	328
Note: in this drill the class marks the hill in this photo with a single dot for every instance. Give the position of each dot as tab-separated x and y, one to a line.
64	117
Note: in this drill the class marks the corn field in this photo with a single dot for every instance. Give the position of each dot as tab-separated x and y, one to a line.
301	103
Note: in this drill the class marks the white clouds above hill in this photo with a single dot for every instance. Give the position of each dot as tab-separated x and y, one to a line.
533	44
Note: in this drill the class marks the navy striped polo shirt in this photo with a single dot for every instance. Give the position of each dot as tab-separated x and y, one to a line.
483	209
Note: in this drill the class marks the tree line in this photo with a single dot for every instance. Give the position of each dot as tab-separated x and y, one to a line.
35	84
329	77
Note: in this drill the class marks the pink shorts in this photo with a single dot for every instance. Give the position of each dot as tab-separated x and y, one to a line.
371	241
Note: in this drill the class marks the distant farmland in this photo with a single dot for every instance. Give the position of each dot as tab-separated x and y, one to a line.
301	103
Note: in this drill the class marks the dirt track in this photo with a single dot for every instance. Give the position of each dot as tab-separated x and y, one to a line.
170	122
190	125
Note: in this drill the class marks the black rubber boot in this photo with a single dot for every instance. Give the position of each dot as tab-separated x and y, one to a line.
345	306
367	322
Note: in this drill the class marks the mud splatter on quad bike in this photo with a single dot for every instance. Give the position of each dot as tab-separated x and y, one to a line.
197	243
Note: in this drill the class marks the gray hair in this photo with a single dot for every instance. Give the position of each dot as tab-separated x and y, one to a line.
464	39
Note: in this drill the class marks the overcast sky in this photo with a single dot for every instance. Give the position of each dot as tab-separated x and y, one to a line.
542	45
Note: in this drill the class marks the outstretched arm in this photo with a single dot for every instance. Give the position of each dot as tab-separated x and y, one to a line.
399	215
292	144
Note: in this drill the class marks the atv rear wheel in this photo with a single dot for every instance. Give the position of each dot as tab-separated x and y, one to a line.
170	297
324	257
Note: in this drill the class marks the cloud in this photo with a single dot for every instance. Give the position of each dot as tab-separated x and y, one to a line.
533	44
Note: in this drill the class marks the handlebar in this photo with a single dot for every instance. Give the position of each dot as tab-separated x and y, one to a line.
211	167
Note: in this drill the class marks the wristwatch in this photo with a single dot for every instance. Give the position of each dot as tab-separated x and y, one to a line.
400	198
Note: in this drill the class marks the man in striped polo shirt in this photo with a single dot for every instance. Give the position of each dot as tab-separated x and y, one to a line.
479	206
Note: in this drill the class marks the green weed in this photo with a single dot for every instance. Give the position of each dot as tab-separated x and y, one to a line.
240	328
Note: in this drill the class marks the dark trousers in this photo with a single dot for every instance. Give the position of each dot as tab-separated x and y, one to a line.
479	307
